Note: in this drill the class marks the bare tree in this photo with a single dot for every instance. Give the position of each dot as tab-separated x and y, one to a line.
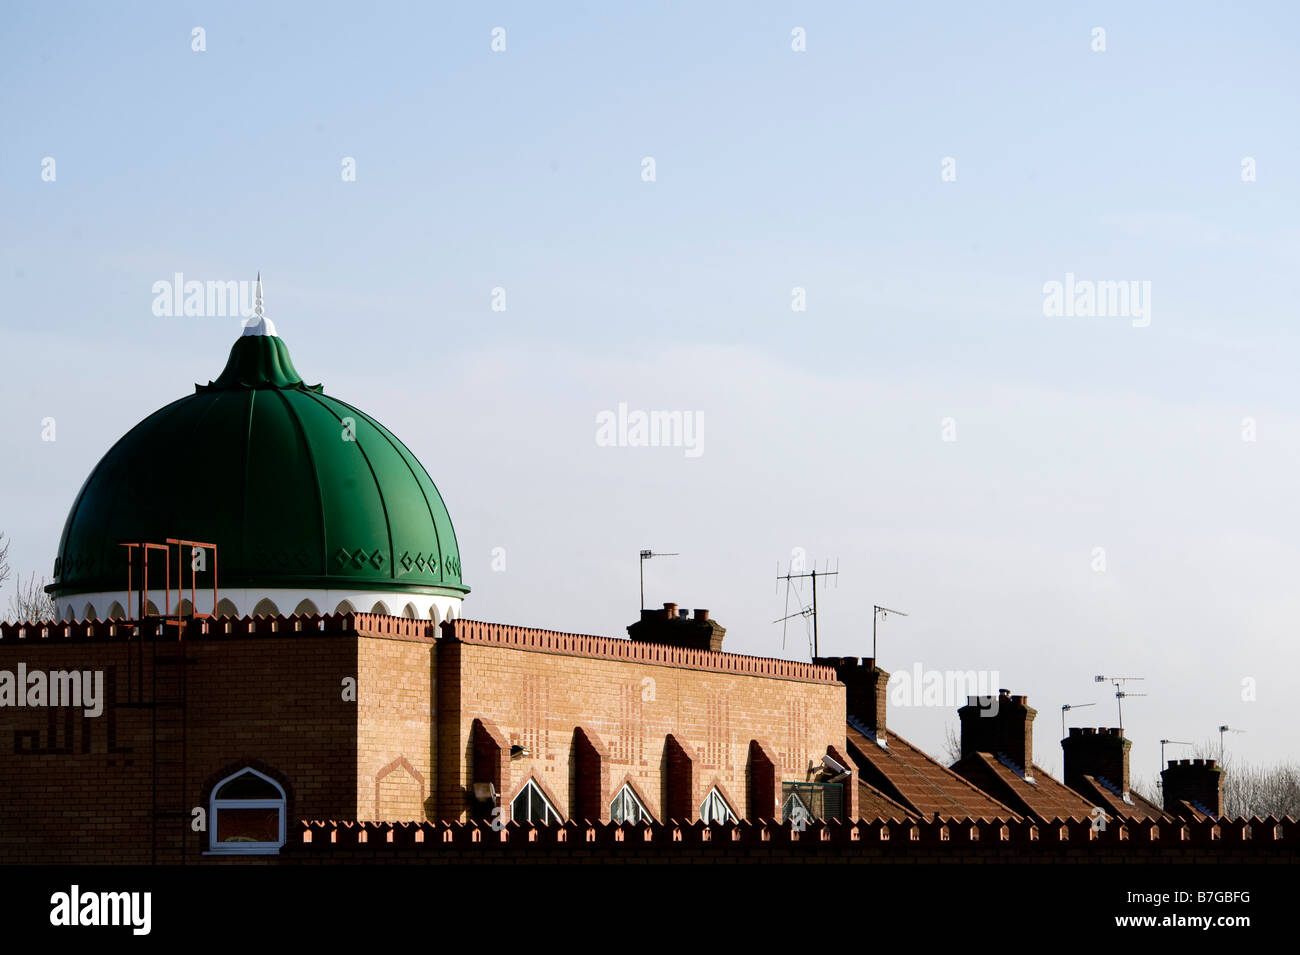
951	745
1254	790
31	602
4	559
1147	788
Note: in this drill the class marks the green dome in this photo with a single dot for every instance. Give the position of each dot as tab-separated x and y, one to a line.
297	489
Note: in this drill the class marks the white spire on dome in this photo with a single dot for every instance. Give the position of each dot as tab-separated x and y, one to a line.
259	324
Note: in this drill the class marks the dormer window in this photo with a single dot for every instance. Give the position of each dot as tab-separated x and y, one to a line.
715	810
532	806
626	807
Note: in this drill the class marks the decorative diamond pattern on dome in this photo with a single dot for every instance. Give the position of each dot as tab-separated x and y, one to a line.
406	561
377	560
302	558
341	557
359	558
419	562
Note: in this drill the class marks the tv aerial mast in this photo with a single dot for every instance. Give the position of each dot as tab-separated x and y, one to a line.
1163	744
646	555
876	613
811	611
1222	730
1120	695
1071	706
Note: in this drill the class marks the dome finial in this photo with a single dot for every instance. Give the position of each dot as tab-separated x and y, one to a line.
259	324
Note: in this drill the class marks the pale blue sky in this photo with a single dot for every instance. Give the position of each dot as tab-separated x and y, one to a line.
775	169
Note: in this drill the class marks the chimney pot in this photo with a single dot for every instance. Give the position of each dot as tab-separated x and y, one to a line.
1008	731
1100	752
670	628
1195	781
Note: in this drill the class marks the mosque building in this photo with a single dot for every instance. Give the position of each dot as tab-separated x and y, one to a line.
261	656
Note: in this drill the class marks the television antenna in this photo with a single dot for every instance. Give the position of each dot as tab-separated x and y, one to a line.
646	555
1163	744
1118	682
875	615
1222	730
807	611
1072	706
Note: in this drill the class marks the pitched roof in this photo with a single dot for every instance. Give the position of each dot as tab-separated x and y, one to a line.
873	804
1043	798
1193	810
1101	793
909	778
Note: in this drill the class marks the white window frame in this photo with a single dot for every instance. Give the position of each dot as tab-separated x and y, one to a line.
712	801
549	815
215	805
628	793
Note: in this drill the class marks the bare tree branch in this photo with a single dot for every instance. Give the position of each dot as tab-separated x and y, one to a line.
951	745
32	602
4	559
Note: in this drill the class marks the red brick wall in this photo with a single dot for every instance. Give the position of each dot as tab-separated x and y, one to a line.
396	747
79	789
270	694
538	700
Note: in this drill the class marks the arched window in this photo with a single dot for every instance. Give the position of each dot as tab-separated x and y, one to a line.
187	608
715	809
433	613
246	814
410	612
69	613
88	612
345	606
115	611
626	807
227	608
531	806
305	608
151	609
266	608
380	607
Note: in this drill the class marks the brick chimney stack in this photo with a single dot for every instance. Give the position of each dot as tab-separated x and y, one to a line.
1100	753
864	684
678	629
1197	781
1004	727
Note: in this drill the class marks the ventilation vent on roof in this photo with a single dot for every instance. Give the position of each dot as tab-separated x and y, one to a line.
868	732
1016	768
1114	789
